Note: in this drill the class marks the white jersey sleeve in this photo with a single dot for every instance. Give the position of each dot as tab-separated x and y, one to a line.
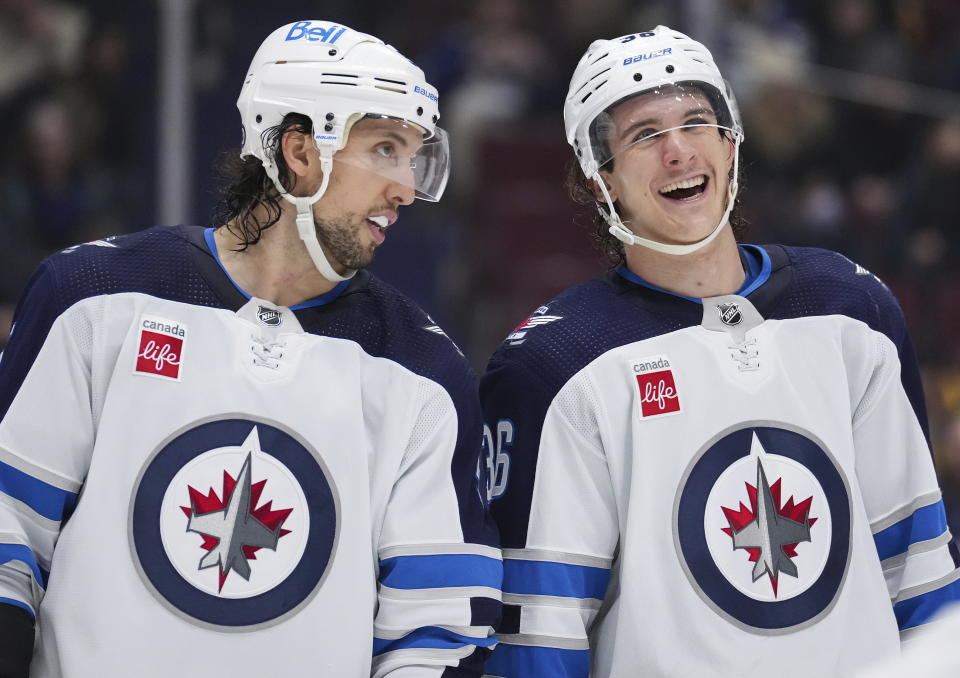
438	592
896	475
44	456
557	554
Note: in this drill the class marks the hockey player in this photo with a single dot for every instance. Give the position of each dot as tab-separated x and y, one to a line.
712	461
232	450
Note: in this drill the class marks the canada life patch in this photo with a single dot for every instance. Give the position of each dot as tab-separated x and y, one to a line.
657	386
160	347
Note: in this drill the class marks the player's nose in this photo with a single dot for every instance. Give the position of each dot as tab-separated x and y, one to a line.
676	148
400	193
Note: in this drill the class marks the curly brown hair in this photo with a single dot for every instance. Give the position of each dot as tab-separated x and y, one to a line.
245	186
581	192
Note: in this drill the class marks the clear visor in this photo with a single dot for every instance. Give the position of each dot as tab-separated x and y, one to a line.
397	150
642	120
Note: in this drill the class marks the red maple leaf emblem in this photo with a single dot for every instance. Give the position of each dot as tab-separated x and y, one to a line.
743	516
210	502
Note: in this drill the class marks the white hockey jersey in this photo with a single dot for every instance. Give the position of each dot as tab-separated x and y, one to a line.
194	482
735	486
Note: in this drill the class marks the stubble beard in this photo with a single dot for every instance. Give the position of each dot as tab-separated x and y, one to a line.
341	242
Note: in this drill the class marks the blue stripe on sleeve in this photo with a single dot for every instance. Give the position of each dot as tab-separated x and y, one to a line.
440	571
925	523
919	610
430	637
541	578
20	604
524	661
20	552
49	501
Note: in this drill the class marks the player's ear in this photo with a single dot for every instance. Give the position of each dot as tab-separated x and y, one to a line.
594	184
299	152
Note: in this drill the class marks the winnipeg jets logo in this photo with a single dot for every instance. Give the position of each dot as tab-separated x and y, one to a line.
234	523
730	314
762	519
235	528
539	318
436	329
105	242
767	530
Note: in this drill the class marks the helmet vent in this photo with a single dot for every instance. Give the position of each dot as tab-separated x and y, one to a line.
587	95
340	75
602	56
592	78
598	75
399	90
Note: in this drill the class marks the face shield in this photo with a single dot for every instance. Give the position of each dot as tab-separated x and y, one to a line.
396	150
641	120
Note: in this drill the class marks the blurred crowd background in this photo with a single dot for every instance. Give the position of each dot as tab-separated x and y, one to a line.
851	110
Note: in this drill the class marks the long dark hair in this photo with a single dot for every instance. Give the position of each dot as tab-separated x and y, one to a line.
244	185
580	190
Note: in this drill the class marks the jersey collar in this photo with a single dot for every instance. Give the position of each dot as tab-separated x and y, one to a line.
756	265
322	300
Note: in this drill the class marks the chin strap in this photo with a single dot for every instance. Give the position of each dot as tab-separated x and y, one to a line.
628	237
306	228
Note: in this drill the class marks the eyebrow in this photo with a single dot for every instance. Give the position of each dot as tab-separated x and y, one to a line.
389	134
652	121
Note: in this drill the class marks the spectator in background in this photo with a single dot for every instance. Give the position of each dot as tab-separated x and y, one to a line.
491	69
931	210
39	39
50	196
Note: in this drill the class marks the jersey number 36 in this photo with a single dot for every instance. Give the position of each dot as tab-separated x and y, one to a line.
496	453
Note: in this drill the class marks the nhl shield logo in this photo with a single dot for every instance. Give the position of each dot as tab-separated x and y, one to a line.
234	524
730	314
269	316
762	527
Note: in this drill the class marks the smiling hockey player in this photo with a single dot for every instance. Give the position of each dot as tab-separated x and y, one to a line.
712	461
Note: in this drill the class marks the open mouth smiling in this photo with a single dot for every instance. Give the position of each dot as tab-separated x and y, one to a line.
687	189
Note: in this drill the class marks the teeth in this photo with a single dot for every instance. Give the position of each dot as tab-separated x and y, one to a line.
382	222
687	183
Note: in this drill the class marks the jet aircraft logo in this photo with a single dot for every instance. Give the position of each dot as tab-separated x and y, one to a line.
234	528
769	532
539	317
762	522
234	523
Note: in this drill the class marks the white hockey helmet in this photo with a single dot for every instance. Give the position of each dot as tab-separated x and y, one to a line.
658	61
335	76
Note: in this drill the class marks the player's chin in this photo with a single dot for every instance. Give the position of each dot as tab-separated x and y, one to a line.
365	258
